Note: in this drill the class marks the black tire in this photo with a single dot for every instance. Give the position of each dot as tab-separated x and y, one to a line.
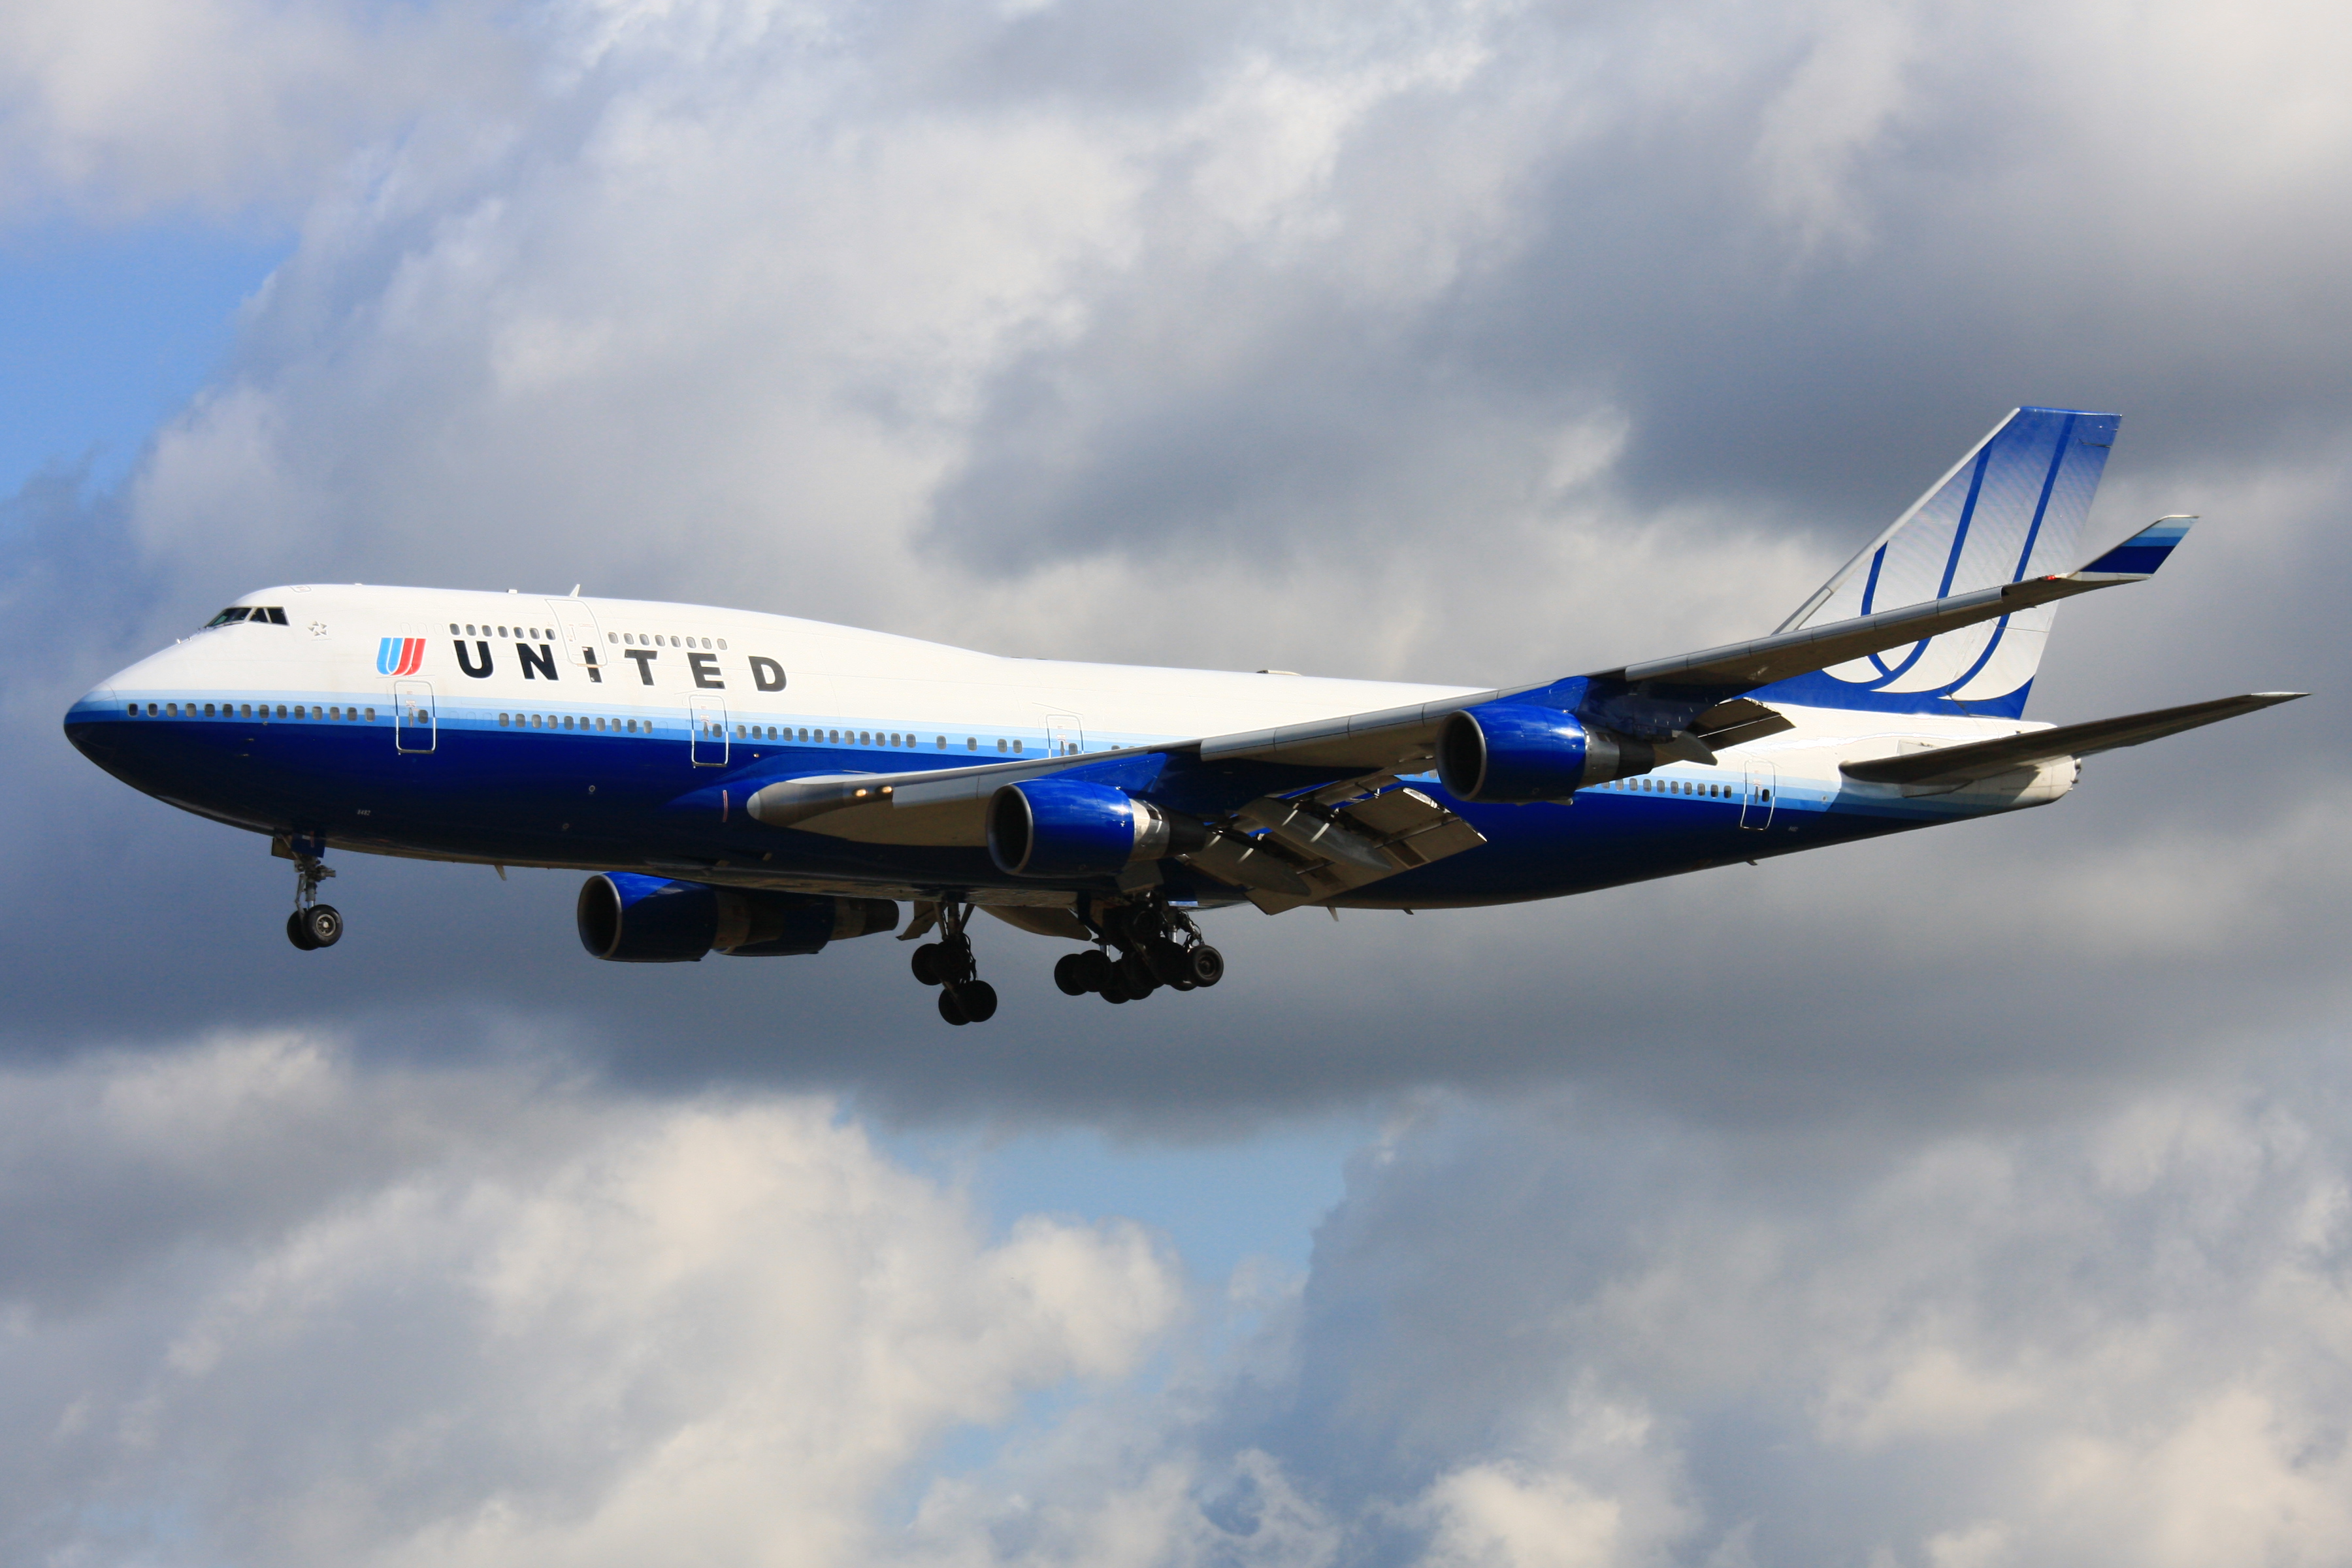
297	933
1207	964
952	1009
927	967
1097	969
978	998
1135	969
323	924
1181	985
1168	961
1070	974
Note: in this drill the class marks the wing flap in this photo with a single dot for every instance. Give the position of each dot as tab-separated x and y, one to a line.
1329	852
1986	759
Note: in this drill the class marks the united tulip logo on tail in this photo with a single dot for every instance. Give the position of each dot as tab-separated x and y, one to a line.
399	656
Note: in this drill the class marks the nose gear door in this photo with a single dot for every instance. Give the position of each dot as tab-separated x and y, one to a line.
706	733
413	727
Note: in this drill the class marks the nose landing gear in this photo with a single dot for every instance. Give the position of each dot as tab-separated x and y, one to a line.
312	925
948	964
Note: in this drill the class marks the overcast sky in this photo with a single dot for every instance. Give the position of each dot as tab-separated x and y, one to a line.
1981	1197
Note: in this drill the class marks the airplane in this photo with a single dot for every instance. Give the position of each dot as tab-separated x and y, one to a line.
760	785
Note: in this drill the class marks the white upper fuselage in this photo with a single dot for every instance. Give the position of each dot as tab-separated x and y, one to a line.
658	664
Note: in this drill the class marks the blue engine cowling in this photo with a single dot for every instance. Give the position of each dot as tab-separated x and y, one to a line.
1513	752
632	919
1068	827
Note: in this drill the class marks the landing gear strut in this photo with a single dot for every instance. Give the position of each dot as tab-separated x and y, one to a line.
948	964
1158	946
312	925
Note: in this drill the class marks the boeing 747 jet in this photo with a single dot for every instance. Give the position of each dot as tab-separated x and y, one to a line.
759	785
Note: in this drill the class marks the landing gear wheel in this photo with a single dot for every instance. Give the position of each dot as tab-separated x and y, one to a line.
1070	973
323	924
1168	960
297	933
1206	964
1114	990
977	998
928	962
1135	974
951	1008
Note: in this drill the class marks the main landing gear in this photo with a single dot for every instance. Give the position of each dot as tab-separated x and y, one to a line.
948	964
312	925
1158	946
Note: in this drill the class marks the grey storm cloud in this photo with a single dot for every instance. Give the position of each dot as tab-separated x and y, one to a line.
1967	1197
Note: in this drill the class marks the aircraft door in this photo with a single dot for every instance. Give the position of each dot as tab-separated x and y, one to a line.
581	636
707	732
414	728
1756	805
1065	736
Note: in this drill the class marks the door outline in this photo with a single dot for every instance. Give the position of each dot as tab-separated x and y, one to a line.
1065	735
705	731
577	625
414	717
1757	802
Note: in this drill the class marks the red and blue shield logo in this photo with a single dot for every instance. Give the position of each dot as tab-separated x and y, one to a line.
399	656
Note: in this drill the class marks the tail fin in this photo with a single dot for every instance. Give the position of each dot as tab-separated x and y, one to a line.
2012	508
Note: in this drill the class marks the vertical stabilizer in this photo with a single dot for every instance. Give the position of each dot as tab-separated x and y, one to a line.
2012	508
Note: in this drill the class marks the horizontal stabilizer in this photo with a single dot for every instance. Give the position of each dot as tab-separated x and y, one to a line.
2143	553
1986	759
1741	666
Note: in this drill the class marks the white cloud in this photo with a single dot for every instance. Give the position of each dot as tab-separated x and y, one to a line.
486	1317
132	108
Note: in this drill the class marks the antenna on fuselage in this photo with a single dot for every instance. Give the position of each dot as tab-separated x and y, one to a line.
575	590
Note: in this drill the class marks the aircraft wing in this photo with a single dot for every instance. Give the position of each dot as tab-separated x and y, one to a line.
1290	848
1690	690
1965	764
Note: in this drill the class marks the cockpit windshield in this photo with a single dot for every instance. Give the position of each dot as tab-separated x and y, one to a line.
255	613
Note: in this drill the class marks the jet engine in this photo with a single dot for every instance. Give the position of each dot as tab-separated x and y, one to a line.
1068	827
1514	751
632	919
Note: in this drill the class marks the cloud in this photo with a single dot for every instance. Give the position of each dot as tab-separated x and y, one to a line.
492	1312
478	1316
125	110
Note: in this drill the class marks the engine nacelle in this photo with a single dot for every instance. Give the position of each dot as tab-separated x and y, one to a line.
632	919
1513	752
1068	827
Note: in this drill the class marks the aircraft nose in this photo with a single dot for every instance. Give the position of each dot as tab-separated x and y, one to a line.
97	725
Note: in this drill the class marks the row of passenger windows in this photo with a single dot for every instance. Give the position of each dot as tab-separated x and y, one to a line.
1647	784
537	634
649	640
869	737
597	724
567	722
547	633
247	711
269	614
